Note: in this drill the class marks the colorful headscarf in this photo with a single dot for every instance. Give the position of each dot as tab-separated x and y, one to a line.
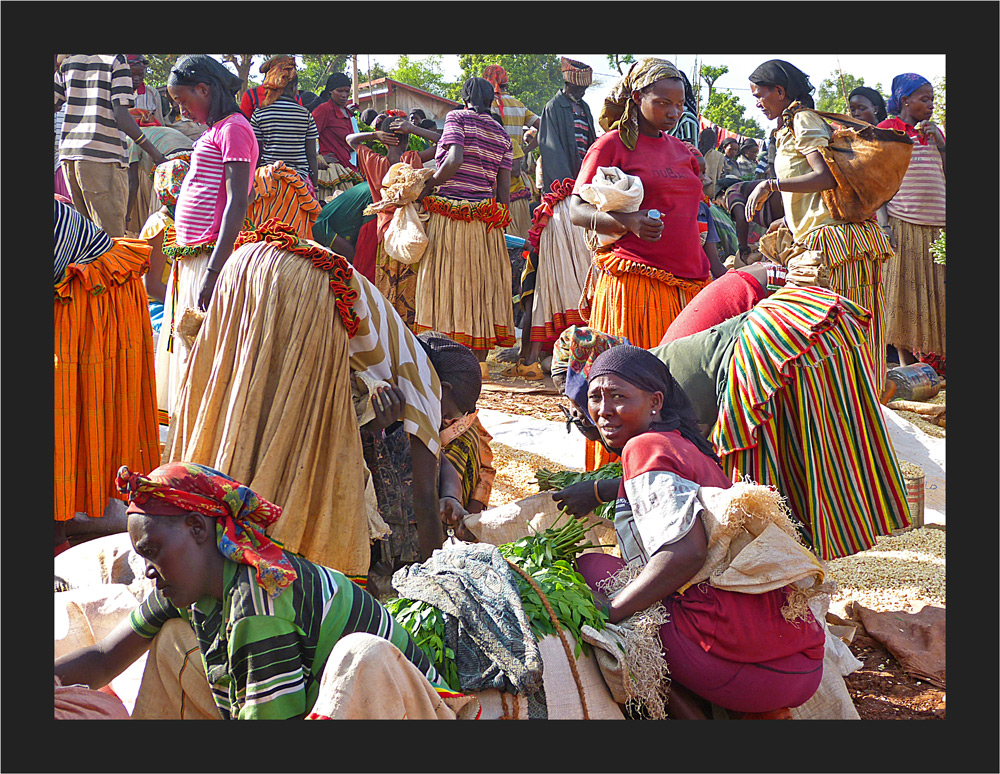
496	75
167	180
574	353
143	117
576	73
242	514
620	111
279	71
903	86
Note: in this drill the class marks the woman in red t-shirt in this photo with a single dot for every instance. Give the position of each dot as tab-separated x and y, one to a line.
735	650
338	168
657	266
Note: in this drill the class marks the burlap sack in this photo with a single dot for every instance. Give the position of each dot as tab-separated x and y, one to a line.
611	190
562	695
507	523
753	546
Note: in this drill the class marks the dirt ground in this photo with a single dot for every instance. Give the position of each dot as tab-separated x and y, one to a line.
881	690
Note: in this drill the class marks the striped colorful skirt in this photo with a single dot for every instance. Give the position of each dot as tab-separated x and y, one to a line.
563	263
398	283
854	255
636	301
266	400
464	276
105	393
800	412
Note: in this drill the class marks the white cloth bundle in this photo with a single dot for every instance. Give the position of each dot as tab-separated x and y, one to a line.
405	240
611	190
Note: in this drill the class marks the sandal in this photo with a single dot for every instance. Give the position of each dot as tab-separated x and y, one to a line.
532	372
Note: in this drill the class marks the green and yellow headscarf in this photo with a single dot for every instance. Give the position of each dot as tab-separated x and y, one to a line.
620	111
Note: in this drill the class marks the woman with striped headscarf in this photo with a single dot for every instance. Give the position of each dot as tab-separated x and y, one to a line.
849	256
641	281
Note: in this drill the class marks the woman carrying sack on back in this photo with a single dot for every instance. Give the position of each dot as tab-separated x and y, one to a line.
849	254
914	284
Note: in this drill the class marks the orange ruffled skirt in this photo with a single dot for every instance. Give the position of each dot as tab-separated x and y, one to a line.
105	390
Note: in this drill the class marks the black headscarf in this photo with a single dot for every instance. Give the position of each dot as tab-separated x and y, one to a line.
875	98
310	99
368	116
689	99
192	69
644	370
778	72
456	364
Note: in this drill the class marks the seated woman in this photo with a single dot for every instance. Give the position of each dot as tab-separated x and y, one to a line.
465	479
732	649
780	387
280	637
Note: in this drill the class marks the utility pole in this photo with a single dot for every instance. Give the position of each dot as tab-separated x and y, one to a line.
354	63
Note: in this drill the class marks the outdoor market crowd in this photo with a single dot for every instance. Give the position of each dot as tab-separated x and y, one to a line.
273	312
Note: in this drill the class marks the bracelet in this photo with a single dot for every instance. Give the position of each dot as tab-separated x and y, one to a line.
597	494
772	185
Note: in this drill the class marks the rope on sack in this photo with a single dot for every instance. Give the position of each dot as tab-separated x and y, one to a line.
562	637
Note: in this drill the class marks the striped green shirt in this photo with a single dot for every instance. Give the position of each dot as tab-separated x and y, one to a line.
264	657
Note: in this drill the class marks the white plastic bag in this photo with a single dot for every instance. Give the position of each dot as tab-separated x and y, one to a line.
405	240
611	190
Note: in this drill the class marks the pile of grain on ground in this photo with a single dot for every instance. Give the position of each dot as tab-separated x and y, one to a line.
903	571
921	422
515	477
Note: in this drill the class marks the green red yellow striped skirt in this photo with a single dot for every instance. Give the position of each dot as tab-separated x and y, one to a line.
105	392
855	254
800	412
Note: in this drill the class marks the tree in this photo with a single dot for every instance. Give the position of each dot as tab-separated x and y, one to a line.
427	74
534	78
710	75
318	67
618	61
832	93
242	63
725	110
159	68
938	116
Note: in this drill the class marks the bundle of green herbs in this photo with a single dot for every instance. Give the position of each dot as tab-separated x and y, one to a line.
548	479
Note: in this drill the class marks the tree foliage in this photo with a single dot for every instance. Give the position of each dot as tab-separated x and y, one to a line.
831	96
725	110
318	67
710	74
534	78
620	61
426	74
938	116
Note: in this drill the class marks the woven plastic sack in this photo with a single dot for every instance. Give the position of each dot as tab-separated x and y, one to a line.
611	190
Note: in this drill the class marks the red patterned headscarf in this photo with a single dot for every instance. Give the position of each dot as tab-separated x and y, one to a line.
242	514
496	75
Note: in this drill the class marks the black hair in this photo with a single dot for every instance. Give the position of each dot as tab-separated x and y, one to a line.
707	140
190	70
456	364
368	116
778	72
877	100
418	112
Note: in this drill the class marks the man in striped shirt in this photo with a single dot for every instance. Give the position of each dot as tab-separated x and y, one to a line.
97	90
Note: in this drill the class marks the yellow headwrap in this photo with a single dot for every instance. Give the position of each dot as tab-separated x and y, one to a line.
620	111
280	71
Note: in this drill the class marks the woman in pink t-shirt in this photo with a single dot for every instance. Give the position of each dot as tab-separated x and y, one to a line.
657	265
211	206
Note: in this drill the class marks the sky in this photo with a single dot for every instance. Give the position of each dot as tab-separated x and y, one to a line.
874	68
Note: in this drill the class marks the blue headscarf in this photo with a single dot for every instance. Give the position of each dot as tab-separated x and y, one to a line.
903	86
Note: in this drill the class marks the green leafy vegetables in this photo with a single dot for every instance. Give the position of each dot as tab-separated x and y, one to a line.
548	557
549	480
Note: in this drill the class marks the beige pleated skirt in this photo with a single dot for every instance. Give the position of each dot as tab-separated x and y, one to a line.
463	284
914	291
266	399
336	177
520	218
563	263
183	289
